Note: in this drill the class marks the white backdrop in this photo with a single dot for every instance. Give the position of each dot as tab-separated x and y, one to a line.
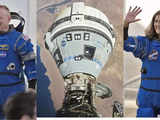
149	7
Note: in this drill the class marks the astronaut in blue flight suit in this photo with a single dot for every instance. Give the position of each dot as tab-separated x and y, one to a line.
146	48
16	56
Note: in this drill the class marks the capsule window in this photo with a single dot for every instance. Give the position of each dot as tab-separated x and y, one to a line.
77	36
77	18
58	58
69	37
86	36
89	51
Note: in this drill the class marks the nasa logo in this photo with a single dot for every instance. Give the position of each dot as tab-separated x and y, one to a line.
153	55
25	37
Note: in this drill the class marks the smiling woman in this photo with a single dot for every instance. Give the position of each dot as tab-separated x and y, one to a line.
132	76
146	48
153	30
157	24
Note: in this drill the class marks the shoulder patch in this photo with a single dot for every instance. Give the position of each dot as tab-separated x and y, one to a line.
25	37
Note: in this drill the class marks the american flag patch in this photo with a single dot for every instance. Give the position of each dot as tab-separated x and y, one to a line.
3	54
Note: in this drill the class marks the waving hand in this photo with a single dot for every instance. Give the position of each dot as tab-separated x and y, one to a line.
131	16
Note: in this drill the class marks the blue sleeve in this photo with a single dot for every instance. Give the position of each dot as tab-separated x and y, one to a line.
30	69
25	50
137	45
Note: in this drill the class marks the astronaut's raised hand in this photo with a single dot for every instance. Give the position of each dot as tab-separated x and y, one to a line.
131	16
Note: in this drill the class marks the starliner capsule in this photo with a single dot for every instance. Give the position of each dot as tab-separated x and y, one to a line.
80	40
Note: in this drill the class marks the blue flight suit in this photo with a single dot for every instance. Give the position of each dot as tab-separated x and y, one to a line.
16	56
149	92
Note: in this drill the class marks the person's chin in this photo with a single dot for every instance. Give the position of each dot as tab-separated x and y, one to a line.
3	31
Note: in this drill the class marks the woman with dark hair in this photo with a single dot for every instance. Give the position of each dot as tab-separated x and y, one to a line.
146	48
152	32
